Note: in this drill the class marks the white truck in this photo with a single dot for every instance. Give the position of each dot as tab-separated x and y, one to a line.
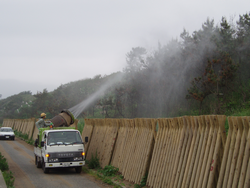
59	147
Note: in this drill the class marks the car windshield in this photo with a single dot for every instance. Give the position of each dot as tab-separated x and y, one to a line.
64	137
6	130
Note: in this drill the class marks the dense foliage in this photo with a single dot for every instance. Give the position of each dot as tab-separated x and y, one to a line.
8	175
206	72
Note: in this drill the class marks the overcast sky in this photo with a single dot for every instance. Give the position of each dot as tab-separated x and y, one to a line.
46	43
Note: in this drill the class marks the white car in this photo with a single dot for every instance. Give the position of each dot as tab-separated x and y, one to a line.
6	133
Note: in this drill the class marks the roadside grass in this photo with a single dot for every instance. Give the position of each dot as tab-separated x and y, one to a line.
109	174
93	163
143	181
110	180
24	137
7	175
93	168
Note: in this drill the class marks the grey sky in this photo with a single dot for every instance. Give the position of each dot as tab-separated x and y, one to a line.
46	43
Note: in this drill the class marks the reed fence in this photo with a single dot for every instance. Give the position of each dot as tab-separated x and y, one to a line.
188	151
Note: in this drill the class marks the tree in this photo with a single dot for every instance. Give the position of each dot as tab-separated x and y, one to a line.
41	103
243	46
136	60
225	41
136	63
58	101
216	79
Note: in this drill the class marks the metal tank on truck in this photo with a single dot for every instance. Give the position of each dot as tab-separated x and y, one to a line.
64	119
60	146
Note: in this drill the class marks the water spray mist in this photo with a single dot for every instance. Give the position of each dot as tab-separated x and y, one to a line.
79	108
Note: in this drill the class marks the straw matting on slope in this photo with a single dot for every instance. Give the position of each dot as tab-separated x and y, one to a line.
128	147
5	122
35	132
95	146
24	126
13	124
87	132
30	128
123	141
187	152
8	123
19	124
235	169
120	143
16	125
138	151
111	126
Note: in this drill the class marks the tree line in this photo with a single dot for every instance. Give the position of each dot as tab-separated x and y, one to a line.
205	72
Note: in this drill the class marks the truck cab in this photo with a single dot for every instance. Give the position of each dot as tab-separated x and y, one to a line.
60	147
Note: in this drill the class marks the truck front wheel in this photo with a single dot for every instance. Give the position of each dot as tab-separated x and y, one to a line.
45	170
78	169
38	163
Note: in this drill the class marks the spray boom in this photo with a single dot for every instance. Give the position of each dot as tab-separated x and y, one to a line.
64	119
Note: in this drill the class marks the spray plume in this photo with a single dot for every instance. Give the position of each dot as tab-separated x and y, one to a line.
79	108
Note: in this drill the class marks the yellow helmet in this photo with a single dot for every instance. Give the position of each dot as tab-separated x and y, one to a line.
43	115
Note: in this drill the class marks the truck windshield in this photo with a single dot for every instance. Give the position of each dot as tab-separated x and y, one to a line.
64	137
6	130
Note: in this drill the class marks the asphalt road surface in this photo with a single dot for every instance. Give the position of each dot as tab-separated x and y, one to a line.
21	161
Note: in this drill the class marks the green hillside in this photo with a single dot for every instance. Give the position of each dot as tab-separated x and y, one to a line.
205	72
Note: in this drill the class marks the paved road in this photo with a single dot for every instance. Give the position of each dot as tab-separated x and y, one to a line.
21	162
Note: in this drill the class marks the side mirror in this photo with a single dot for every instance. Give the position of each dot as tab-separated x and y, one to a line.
86	139
42	143
36	143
